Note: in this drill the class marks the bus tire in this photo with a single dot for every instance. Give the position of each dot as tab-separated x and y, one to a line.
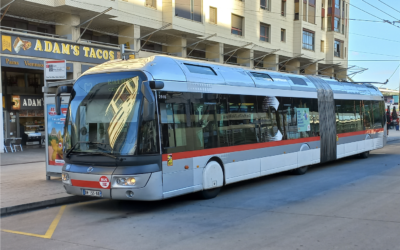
299	171
213	180
364	155
209	193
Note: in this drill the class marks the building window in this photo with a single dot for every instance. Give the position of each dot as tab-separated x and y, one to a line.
283	8
151	3
283	35
322	46
237	24
337	4
265	4
308	39
296	10
322	23
311	11
189	9
337	24
338	46
213	15
264	32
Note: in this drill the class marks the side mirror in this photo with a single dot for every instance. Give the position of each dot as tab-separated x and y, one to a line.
149	102
61	90
156	84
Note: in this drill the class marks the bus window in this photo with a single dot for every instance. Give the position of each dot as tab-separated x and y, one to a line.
175	122
205	120
368	119
378	123
266	110
295	118
200	69
242	119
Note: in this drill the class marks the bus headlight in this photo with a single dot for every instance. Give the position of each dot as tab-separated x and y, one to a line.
128	181
65	178
131	181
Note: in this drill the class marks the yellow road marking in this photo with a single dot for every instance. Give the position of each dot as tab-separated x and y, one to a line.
49	232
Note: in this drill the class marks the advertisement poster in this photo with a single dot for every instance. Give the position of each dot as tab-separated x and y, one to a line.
303	119
55	129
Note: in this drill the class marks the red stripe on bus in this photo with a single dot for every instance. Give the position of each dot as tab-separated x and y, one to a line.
213	151
369	131
89	184
222	150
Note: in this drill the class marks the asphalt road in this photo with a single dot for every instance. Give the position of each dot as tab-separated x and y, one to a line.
348	204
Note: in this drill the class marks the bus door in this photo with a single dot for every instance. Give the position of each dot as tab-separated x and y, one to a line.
177	140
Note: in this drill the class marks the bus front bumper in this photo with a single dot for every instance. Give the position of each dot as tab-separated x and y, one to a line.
147	188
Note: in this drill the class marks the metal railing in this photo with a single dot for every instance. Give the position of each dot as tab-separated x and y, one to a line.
32	32
100	43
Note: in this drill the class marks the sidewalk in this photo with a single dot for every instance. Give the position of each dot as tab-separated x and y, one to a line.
29	155
24	186
393	135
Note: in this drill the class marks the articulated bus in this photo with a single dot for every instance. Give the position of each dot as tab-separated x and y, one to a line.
159	127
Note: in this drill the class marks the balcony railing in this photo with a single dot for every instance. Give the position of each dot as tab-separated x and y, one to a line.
32	32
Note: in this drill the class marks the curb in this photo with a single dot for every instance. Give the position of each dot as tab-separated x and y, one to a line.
41	204
10	164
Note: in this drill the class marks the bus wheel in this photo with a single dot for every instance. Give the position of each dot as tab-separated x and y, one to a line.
364	155
209	193
299	171
213	180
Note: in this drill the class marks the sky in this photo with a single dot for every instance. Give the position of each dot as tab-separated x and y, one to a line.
368	48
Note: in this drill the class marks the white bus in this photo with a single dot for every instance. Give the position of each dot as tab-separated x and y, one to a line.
159	127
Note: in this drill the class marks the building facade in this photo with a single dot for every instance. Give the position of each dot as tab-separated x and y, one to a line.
296	36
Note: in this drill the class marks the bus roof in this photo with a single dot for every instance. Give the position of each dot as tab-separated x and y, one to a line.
176	69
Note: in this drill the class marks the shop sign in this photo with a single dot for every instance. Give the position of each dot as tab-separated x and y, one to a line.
24	63
56	49
55	70
26	102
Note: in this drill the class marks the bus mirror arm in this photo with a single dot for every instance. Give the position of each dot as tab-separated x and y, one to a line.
149	104
61	90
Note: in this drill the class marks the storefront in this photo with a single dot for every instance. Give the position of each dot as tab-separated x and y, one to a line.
23	107
22	75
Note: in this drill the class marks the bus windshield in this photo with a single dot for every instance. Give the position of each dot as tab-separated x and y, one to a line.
103	114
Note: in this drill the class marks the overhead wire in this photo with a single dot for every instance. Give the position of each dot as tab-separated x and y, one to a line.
389	6
373	15
379	9
394	71
376	37
373	53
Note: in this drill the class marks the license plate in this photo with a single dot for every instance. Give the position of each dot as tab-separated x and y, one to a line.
92	193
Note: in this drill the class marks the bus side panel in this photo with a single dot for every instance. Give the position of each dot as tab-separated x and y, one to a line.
242	170
278	163
352	145
178	175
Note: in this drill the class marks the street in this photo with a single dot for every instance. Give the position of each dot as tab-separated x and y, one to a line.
348	204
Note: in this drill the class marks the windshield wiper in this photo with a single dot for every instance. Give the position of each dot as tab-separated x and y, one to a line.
79	142
99	153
